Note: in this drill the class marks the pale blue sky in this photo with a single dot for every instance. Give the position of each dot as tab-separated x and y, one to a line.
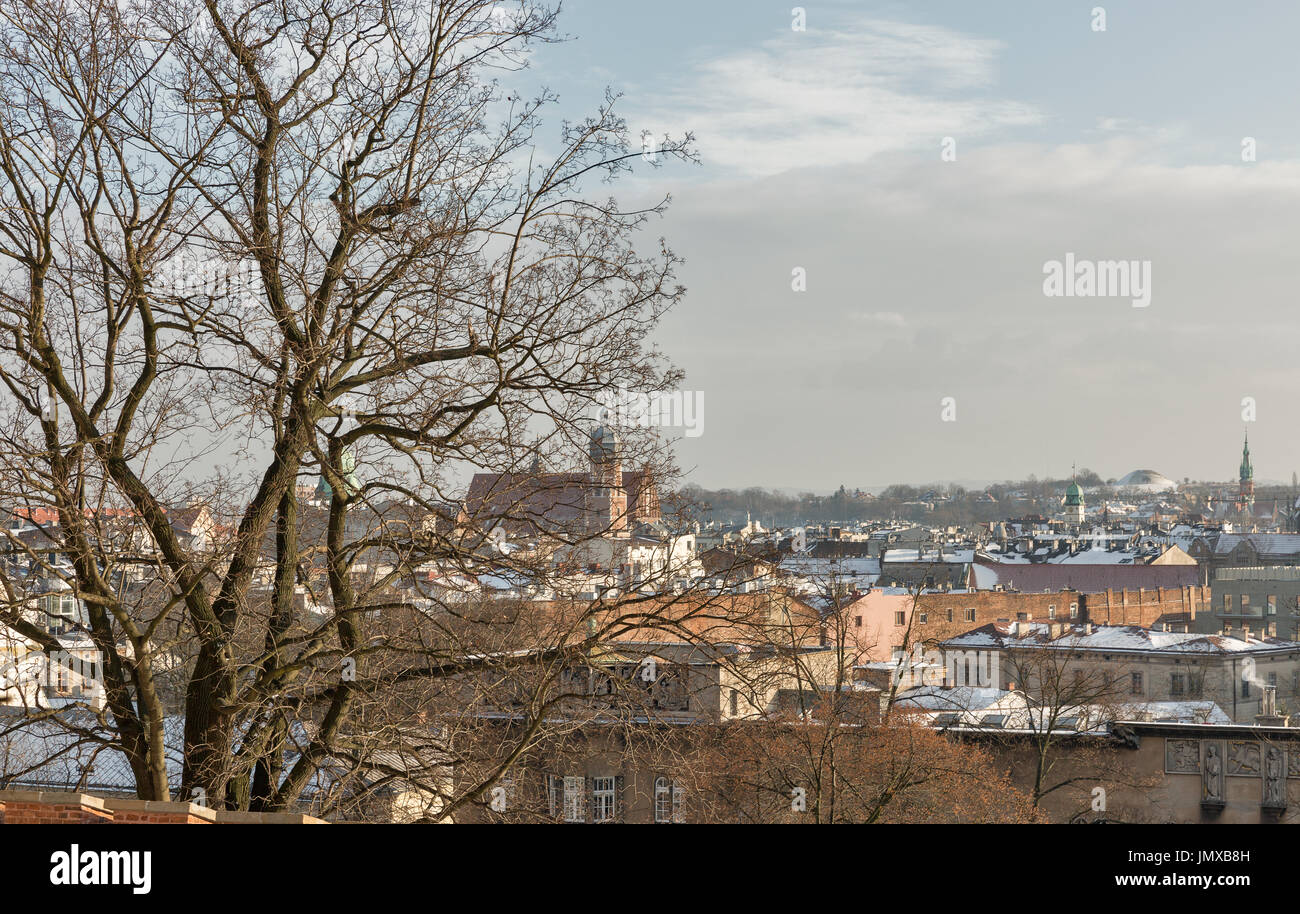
821	150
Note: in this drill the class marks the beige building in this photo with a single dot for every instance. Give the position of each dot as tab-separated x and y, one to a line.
1155	772
638	704
1131	664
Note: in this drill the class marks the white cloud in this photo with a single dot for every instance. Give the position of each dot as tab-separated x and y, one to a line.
840	96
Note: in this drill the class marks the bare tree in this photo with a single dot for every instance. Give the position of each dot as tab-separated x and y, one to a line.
1068	695
832	751
249	245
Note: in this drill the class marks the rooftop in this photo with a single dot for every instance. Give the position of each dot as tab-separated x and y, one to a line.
1111	638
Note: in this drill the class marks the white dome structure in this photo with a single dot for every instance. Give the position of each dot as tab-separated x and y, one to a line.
1146	481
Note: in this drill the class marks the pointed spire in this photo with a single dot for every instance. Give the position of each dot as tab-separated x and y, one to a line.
1247	471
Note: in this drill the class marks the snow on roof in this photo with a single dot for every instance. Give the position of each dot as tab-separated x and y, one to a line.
1095	554
36	753
1190	712
45	754
996	709
1112	638
957	698
986	578
807	565
959	556
1266	544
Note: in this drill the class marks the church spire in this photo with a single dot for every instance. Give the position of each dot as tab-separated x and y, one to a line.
1246	482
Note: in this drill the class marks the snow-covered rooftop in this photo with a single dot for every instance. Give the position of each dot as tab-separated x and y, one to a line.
1111	638
958	556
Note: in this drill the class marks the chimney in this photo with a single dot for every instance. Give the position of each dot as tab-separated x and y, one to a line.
1087	628
1268	716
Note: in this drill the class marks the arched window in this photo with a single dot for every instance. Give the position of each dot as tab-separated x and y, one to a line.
668	801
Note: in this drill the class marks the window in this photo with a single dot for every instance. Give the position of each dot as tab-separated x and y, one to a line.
1227	602
735	703
61	613
1194	685
1135	684
1271	607
604	799
1245	688
950	615
565	797
1051	610
857	622
668	802
900	618
1272	679
1176	683
1022	617
1074	610
970	614
573	799
1245	603
925	617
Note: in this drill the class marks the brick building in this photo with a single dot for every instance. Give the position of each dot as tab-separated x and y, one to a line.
883	620
32	807
606	499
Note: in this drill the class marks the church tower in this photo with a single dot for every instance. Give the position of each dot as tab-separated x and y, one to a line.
325	492
608	496
1246	481
1074	503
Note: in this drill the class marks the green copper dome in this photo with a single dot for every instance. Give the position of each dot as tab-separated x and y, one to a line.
349	467
1073	494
